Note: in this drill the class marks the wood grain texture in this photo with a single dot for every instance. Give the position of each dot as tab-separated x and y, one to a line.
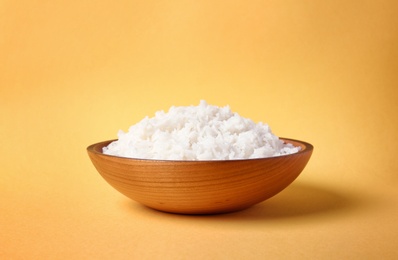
200	187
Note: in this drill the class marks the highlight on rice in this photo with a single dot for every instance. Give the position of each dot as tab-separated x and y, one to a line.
203	132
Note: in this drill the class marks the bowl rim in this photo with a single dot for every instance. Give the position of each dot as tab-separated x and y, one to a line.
306	148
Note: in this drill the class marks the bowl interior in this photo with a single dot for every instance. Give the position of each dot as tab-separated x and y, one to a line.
97	148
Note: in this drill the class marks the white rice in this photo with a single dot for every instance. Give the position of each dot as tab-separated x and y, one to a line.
202	132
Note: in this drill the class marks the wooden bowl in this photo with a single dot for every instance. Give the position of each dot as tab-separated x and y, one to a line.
200	187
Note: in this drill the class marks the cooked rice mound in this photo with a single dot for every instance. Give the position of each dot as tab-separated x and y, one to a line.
203	132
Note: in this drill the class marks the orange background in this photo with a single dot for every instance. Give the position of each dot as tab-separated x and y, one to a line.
73	73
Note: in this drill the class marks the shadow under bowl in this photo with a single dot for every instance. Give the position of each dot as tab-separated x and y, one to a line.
200	187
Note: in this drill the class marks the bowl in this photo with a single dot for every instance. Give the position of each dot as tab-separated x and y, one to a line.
200	187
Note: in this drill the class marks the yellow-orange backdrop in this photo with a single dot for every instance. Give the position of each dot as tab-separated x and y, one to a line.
74	73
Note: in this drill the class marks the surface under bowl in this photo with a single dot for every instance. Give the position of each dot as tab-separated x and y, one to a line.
200	187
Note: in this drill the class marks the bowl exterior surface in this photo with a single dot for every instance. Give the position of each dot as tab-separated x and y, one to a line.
200	187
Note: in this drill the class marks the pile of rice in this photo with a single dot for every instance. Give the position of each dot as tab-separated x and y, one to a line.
202	132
